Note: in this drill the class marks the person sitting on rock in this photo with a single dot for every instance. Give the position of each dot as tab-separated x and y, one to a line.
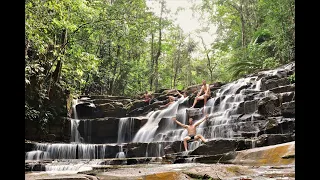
147	97
206	90
191	128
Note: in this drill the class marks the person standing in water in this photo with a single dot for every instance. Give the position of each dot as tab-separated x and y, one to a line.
191	128
206	90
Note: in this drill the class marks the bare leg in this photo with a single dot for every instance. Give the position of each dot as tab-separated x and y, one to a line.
205	97
196	100
199	136
185	142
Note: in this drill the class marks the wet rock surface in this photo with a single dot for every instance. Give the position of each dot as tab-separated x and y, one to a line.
246	117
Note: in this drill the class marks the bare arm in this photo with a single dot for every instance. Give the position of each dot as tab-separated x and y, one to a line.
183	125
179	93
166	105
200	91
199	122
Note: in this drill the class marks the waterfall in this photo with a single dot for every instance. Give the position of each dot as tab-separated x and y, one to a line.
75	136
147	132
70	151
74	110
232	114
121	154
37	155
125	130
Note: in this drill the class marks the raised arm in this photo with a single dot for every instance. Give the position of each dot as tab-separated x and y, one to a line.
199	122
183	125
179	93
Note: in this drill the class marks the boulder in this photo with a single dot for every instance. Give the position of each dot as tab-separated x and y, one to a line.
273	139
288	109
269	106
217	146
282	89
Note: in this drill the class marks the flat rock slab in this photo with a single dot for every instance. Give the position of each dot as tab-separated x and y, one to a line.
46	176
280	154
179	172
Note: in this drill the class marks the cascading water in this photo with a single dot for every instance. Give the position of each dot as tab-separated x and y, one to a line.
75	136
121	154
147	132
70	151
224	109
125	130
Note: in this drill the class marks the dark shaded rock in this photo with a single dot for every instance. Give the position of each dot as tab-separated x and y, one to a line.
137	149
51	137
112	101
99	130
250	106
269	106
145	109
218	146
193	89
103	97
273	139
85	110
180	160
218	100
278	125
240	108
216	84
251	117
274	83
235	118
219	158
288	109
35	167
29	146
282	89
104	130
135	104
242	88
288	156
250	92
142	150
286	97
162	97
192	112
132	161
115	109
118	162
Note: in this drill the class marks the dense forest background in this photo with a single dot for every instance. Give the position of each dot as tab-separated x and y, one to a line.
121	47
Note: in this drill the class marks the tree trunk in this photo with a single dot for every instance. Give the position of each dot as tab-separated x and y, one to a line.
152	63
243	32
114	72
56	74
176	67
26	48
156	69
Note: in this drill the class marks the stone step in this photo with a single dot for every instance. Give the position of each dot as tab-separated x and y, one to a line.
103	97
102	101
36	165
282	89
